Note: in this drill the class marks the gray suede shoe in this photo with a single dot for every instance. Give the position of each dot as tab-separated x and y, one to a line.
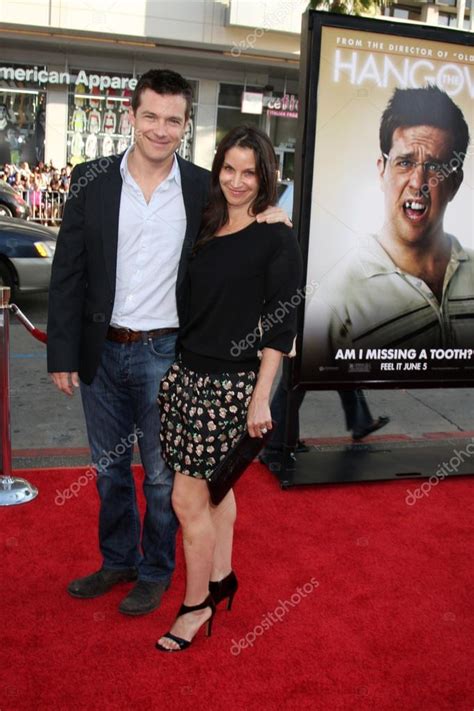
143	598
100	582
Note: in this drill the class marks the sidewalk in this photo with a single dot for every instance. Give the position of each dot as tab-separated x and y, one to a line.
414	415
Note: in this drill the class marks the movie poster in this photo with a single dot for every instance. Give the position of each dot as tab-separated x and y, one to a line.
390	271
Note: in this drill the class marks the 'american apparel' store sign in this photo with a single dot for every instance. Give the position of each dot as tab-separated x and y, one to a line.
44	76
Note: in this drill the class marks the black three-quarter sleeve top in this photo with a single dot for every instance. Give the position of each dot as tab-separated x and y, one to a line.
243	293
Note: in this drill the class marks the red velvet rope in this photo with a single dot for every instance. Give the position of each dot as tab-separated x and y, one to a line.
35	332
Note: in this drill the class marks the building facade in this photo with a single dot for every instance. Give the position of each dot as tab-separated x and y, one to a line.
68	67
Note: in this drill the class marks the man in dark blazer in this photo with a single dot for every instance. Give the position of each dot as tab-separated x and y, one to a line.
128	229
114	307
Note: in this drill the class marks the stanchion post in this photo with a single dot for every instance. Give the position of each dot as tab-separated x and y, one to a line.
6	455
12	489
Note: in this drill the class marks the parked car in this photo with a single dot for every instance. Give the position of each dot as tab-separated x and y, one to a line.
26	255
12	204
285	196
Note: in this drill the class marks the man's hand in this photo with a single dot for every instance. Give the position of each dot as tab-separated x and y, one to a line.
274	214
66	382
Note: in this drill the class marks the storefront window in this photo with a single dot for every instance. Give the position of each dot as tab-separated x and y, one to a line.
229	113
401	12
230	118
22	119
99	123
278	120
447	20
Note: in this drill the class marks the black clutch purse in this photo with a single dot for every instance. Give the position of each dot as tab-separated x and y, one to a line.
235	462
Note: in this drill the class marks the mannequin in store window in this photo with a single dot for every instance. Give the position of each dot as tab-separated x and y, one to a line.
109	125
79	119
125	126
108	147
122	144
94	116
93	121
91	146
77	146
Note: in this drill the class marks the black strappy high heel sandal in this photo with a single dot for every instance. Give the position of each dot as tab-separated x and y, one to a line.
225	588
183	610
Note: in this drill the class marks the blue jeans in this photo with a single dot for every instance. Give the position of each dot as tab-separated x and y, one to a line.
120	408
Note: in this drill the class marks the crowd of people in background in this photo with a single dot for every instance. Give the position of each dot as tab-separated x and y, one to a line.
43	187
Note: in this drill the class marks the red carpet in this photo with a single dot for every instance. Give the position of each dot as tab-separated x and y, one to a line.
374	597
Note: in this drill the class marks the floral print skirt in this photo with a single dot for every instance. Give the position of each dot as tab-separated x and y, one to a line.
202	417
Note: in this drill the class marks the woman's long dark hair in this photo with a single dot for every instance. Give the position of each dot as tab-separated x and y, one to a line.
216	213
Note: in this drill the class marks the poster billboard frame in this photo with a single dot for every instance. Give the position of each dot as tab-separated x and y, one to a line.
312	29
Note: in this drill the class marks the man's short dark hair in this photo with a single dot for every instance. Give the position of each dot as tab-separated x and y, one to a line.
163	81
428	106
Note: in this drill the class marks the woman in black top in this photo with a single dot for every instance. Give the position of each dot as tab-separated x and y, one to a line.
242	288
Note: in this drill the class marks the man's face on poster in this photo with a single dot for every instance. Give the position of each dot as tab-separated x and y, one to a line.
418	183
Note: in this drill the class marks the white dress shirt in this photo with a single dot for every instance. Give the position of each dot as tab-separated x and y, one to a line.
150	239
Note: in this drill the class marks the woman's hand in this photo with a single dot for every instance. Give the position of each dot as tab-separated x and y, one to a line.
274	214
259	419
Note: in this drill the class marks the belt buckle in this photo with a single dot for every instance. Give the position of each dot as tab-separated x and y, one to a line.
124	333
129	334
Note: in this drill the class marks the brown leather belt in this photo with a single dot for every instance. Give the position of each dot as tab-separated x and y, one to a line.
125	335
